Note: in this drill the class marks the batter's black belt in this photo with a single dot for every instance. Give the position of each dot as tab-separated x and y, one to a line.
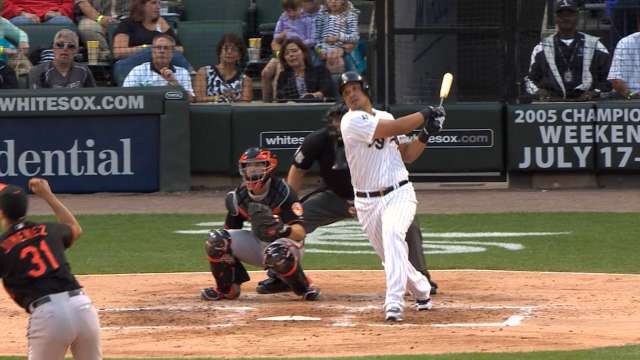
45	299
383	192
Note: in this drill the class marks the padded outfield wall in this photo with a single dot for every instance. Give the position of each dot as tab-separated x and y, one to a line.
152	139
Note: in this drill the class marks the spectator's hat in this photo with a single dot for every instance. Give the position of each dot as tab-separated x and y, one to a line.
566	5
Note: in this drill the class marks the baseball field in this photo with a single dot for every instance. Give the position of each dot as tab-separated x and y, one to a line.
521	274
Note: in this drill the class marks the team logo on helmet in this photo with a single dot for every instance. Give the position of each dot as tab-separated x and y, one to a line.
256	166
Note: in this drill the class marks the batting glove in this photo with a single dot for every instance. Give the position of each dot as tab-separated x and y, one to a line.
434	121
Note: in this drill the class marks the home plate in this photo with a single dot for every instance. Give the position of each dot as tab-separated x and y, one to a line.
290	318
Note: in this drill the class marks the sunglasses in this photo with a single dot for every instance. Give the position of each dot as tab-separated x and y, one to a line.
65	45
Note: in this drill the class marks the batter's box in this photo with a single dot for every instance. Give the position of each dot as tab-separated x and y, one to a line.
439	316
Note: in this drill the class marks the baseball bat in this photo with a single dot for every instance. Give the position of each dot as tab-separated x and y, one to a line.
447	80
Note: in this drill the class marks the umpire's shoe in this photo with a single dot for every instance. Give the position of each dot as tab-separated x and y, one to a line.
211	294
434	285
272	285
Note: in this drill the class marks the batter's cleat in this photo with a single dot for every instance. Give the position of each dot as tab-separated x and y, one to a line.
393	313
422	305
211	294
272	285
313	294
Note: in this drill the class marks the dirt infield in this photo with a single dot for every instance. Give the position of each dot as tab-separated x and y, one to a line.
162	315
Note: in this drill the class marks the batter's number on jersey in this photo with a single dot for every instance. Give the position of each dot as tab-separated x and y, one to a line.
36	255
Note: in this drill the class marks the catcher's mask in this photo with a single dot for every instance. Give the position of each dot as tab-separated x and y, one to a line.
352	76
256	166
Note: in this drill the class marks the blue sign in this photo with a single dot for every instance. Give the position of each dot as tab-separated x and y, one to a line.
82	154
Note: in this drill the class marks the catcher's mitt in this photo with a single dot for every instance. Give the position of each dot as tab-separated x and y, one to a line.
264	224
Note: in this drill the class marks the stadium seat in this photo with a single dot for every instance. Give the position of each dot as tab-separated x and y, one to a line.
200	38
215	10
41	35
267	14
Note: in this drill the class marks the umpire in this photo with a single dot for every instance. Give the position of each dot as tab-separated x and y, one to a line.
334	201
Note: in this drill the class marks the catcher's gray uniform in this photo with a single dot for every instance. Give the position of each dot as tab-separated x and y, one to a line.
266	245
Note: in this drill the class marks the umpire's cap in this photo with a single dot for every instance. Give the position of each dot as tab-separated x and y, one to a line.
13	202
566	5
352	76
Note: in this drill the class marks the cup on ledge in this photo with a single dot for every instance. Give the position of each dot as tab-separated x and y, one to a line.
92	52
254	54
255	43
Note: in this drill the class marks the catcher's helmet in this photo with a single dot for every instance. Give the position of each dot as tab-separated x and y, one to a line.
256	166
352	76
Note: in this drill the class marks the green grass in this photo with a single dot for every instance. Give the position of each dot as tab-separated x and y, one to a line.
598	242
610	353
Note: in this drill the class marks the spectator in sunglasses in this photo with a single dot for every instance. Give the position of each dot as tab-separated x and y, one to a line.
62	71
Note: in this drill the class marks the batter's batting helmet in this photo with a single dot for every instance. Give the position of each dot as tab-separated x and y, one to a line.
352	76
256	166
13	202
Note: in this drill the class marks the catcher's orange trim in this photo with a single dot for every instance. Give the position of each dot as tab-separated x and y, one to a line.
292	271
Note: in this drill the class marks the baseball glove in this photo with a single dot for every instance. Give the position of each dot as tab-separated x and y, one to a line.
264	224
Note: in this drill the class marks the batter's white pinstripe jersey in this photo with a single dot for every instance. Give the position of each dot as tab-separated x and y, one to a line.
375	164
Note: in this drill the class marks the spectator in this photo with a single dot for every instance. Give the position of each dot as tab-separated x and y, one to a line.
97	16
338	35
16	58
224	82
568	64
134	36
159	71
291	24
21	12
625	67
8	79
313	9
10	36
62	71
300	79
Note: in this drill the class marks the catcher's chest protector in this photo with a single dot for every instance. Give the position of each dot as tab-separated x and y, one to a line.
275	198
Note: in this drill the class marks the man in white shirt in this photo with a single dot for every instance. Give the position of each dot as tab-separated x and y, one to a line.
376	149
625	66
159	72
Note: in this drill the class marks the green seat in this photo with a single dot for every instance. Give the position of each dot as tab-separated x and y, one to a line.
267	14
41	35
200	39
215	10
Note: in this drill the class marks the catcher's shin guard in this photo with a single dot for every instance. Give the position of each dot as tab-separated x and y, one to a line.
280	260
226	269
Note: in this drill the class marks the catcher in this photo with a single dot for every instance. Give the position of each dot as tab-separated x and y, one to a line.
276	239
